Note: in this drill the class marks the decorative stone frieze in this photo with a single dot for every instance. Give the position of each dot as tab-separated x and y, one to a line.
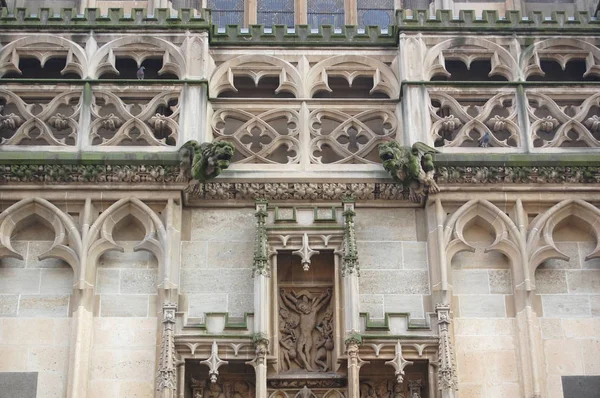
517	174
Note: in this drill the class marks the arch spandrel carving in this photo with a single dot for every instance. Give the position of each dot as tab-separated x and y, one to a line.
67	244
467	50
540	241
561	50
43	47
138	48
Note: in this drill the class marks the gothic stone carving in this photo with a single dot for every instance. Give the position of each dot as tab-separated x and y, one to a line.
167	370
306	329
413	167
226	389
204	161
382	389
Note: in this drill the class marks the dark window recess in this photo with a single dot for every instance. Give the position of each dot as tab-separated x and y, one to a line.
128	68
581	386
479	71
361	87
247	89
375	12
416	4
574	71
227	12
32	69
326	12
276	12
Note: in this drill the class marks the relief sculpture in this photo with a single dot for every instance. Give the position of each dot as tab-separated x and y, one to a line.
382	389
306	329
228	389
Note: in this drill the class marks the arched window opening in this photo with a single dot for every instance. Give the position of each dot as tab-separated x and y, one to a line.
32	68
128	69
477	71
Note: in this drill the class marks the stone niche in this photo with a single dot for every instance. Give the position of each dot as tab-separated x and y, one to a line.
235	380
377	380
306	319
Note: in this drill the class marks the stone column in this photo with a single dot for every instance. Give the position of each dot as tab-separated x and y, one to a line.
447	380
354	365
81	342
350	271
259	363
166	383
262	275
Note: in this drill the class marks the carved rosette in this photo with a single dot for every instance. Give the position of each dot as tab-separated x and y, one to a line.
261	248
447	378
350	263
167	368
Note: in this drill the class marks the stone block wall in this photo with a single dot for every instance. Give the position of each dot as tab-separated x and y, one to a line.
34	314
216	261
484	328
394	271
570	296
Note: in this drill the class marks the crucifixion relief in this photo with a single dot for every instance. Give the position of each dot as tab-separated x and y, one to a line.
306	330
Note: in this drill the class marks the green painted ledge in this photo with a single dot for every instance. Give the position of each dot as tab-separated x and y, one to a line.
90	158
517	159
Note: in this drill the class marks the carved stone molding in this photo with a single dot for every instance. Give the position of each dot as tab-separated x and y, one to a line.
309	382
167	368
447	378
350	263
214	362
399	363
517	175
261	248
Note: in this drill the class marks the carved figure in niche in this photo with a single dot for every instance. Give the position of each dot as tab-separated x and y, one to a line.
381	389
307	306
229	389
288	323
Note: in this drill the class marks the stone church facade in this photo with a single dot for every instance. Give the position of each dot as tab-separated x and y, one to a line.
377	202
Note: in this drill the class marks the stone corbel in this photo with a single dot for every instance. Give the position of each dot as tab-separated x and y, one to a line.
259	363
305	252
214	362
353	343
399	363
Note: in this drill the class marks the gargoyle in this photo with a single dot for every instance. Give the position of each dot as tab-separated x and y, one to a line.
201	162
413	167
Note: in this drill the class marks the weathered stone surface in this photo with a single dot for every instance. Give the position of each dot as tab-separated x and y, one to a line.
8	305
479	259
12	359
239	304
380	255
57	281
230	255
394	282
563	357
482	306
484	327
586	281
9	262
571	249
234	225
136	389
470	390
550	281
552	328
101	389
125	332
49	358
564	306
217	281
36	248
385	225
43	305
199	304
31	331
193	254
485	343
372	304
138	281
19	281
123	364
412	303
108	280
581	328
124	305
51	385
500	281
470	282
129	258
414	255
591	359
595	304
503	390
21	385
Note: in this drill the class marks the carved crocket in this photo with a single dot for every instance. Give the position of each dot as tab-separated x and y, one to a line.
413	167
